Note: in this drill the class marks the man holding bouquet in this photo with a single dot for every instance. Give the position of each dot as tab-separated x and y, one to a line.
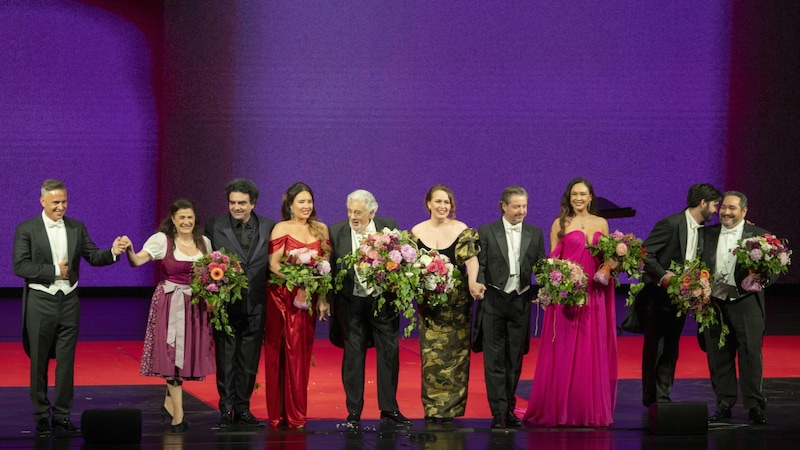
742	310
246	234
355	323
674	238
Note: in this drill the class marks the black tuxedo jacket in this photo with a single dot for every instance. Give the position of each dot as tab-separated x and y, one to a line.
341	245
494	268
256	264
493	258
667	243
710	258
33	258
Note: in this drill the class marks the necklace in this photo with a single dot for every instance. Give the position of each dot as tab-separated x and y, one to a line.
189	245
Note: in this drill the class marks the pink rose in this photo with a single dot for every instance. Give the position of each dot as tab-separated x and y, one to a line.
622	249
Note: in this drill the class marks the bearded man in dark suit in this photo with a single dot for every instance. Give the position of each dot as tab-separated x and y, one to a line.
678	238
741	310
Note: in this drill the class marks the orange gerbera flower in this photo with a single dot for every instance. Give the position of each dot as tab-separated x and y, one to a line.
687	281
391	265
217	273
704	274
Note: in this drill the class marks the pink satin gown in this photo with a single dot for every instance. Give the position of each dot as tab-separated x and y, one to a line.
575	382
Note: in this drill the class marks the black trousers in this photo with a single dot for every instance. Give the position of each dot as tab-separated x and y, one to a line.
237	360
505	321
52	319
662	334
363	326
745	320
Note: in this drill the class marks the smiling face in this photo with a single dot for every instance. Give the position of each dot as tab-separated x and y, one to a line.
55	204
516	209
240	206
303	205
440	205
580	197
184	219
731	212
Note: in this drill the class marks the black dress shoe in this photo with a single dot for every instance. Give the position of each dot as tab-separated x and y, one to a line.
395	417
43	427
722	415
756	416
499	421
353	420
513	421
64	427
245	418
225	419
181	427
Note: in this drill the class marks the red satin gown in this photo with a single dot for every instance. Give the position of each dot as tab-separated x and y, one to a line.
288	342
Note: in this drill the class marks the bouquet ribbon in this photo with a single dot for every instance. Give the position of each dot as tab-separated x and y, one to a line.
176	327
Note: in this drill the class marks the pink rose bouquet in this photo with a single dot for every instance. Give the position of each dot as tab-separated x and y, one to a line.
625	253
438	277
304	268
561	282
762	255
386	261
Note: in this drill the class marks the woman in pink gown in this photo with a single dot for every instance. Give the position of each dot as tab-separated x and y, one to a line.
290	327
575	382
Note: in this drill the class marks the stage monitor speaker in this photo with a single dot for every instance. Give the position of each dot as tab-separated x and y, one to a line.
678	418
112	426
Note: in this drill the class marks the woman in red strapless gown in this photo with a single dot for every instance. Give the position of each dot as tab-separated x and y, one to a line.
290	326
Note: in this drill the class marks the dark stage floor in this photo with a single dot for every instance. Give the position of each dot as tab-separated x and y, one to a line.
630	430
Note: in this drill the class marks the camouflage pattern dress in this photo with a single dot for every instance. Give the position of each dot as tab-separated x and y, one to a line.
444	339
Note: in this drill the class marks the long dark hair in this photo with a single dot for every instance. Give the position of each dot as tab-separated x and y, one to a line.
168	228
314	226
567	211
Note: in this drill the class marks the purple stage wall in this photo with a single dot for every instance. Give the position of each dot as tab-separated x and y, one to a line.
135	107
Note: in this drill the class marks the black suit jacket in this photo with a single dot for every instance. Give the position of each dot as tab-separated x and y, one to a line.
256	265
667	243
341	245
494	265
33	258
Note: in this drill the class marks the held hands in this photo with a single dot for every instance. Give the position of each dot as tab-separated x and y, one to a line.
476	290
120	244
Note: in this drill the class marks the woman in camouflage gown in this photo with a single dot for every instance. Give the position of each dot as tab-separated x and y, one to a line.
445	331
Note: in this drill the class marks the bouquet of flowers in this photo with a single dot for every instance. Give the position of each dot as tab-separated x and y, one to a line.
218	280
762	255
627	253
385	261
303	268
437	277
690	291
560	281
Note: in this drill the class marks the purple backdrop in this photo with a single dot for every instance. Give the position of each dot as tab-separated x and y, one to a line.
387	96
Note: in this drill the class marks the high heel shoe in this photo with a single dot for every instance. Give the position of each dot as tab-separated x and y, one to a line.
164	414
181	427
